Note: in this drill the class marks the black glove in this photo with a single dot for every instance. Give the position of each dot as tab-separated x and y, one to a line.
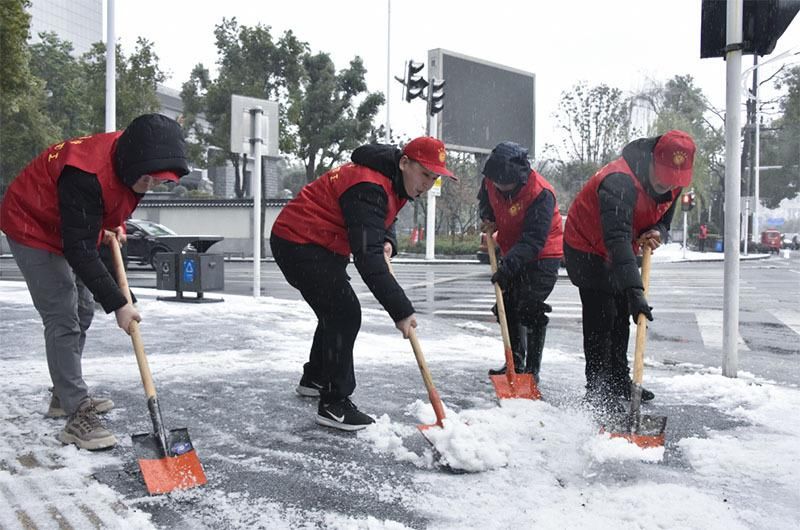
501	278
637	304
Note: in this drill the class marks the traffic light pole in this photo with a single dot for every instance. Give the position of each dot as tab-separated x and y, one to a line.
733	119
430	217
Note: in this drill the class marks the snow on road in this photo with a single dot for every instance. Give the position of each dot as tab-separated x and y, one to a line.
530	464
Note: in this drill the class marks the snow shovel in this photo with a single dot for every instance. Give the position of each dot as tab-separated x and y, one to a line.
433	395
511	384
167	459
642	430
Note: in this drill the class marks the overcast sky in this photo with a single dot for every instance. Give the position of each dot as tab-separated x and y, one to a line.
623	43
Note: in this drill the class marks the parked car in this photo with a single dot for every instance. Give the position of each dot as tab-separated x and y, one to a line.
791	241
143	242
771	241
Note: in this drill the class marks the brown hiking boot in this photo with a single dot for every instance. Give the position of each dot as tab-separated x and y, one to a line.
101	405
85	430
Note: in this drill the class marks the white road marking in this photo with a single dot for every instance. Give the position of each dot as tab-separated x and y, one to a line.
790	319
710	325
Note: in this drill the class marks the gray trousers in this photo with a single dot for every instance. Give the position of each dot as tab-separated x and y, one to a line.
66	306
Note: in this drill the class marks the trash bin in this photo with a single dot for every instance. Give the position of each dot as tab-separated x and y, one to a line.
718	246
189	268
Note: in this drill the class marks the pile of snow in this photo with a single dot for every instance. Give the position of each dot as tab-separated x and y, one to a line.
672	252
508	434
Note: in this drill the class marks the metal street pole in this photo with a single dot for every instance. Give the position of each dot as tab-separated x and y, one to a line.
111	68
685	214
387	138
430	221
757	147
733	101
256	142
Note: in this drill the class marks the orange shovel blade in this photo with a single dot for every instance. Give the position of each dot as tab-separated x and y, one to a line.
643	441
172	472
162	473
511	386
650	432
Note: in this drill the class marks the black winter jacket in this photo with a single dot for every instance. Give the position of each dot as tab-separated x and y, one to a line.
364	208
617	195
150	143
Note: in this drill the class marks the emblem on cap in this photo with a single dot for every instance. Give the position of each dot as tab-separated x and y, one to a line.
514	209
678	158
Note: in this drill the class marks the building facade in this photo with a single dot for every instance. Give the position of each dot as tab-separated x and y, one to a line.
77	21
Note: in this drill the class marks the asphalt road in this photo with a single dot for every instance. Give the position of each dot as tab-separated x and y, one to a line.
294	463
687	299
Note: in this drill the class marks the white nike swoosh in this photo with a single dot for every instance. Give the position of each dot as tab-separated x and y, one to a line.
340	419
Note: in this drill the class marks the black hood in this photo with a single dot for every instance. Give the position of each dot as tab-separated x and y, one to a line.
385	159
508	164
151	143
639	154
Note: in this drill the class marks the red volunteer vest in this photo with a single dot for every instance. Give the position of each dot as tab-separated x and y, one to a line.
314	216
30	213
583	230
509	215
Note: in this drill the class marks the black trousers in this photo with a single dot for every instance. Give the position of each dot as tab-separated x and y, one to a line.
524	300
321	277
606	331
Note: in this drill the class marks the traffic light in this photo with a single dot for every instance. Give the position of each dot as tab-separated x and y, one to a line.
763	22
687	201
414	82
435	96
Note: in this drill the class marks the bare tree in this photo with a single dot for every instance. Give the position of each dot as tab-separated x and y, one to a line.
595	122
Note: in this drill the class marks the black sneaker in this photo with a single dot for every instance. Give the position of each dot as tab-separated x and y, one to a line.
342	415
307	387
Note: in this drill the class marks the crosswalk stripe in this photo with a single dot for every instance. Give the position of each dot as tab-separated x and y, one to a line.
710	325
790	319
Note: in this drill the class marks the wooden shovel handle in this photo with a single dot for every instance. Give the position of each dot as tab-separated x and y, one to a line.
501	307
641	322
433	395
136	336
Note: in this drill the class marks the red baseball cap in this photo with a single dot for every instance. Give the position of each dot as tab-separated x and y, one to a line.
673	158
165	175
429	152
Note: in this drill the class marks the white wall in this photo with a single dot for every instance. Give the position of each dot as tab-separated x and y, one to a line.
234	223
